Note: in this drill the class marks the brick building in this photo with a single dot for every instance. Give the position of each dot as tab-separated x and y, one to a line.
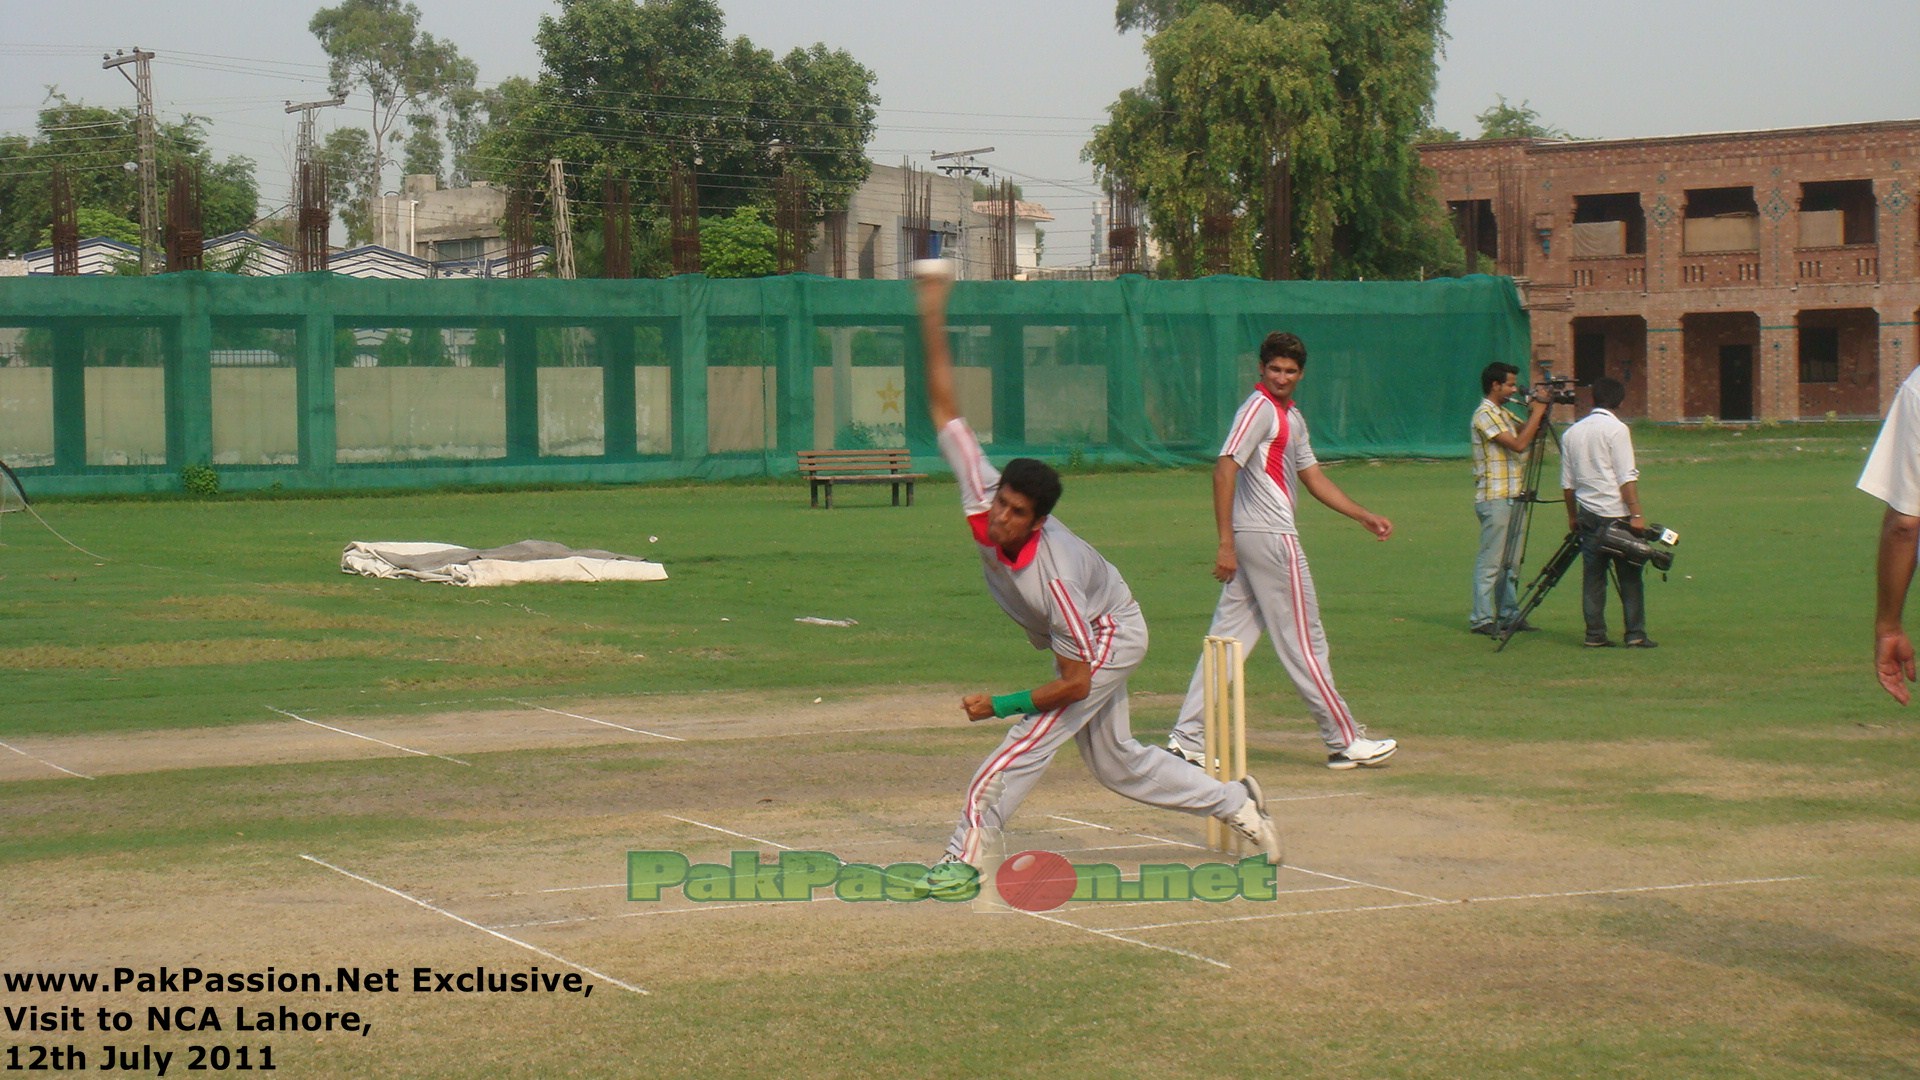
1754	274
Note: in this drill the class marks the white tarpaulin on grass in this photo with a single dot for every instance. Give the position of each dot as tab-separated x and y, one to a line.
528	560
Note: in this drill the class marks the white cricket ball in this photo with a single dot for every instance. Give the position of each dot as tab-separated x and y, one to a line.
933	269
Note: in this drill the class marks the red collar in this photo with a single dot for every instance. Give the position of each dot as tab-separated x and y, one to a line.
1271	396
1028	550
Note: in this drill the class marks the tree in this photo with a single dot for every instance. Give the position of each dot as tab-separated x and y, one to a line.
1507	121
377	46
1335	89
93	145
740	245
93	223
1434	133
631	89
425	152
347	154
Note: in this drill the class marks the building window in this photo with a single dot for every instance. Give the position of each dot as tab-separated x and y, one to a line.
1819	354
457	250
1721	219
1479	232
1608	225
1836	212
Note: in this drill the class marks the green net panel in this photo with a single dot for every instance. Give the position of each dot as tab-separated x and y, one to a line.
318	381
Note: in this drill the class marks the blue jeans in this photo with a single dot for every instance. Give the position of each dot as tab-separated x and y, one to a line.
1593	582
1490	592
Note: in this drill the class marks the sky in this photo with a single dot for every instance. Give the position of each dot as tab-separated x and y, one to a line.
1029	79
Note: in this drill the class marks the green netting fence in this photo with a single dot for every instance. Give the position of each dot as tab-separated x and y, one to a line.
317	381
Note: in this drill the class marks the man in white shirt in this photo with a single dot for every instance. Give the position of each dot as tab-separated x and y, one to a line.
1602	486
1892	475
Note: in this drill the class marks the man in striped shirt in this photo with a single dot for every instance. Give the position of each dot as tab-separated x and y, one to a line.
1500	446
1265	462
1073	604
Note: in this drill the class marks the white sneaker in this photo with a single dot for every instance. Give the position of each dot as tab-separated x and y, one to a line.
1191	757
1362	751
1252	822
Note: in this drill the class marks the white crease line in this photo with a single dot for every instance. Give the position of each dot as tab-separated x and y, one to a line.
1093	906
605	723
1284	915
1131	941
1077	821
511	893
535	949
1102	847
369	738
1637	889
1311	798
1477	900
628	915
1170	840
1370	885
730	832
45	762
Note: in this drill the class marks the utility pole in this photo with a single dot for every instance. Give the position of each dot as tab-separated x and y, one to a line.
562	220
963	163
305	152
142	80
310	236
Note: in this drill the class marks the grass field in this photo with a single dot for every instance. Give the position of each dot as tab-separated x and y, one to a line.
1695	861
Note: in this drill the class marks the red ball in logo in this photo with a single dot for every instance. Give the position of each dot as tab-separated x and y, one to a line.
1036	881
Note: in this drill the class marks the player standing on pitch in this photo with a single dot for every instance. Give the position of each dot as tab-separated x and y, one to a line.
1265	461
1073	602
1892	475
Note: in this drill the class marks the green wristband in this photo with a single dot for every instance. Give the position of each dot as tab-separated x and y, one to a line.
1005	705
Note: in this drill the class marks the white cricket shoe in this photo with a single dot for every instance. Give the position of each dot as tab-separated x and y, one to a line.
1191	757
1362	752
1252	822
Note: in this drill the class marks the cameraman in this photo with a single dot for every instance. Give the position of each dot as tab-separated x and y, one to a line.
1892	475
1500	446
1601	485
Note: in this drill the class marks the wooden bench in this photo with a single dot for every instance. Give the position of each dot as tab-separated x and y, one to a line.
825	468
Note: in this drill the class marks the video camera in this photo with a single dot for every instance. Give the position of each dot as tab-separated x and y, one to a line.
1637	546
1558	389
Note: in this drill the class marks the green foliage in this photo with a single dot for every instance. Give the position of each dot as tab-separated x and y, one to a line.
394	349
629	90
347	154
200	481
1433	133
1337	88
94	222
857	436
424	151
376	47
93	144
427	347
740	245
1504	120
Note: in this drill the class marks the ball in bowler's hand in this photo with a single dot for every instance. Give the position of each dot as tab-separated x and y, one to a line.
1036	881
931	269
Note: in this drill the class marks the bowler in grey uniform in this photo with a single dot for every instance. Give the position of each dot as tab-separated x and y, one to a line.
1073	603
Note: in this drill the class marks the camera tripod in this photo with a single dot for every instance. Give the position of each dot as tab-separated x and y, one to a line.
1518	523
